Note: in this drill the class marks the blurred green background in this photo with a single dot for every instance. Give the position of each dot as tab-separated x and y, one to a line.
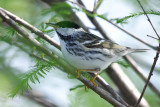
55	87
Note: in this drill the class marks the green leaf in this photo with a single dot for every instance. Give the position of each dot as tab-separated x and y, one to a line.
123	63
76	87
43	72
32	80
35	76
40	74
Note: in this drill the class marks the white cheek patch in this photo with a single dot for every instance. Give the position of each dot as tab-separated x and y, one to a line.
67	31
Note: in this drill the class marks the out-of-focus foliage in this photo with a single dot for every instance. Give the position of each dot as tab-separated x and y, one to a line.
42	14
39	70
58	11
87	99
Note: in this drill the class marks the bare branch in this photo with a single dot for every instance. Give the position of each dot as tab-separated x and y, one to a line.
149	76
155	59
108	88
31	28
104	94
125	85
141	74
152	37
148	19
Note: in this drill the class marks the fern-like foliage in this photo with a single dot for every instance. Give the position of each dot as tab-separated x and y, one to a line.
41	67
124	19
39	70
77	87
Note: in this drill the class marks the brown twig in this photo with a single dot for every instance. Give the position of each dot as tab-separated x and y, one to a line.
141	74
31	28
149	76
155	59
148	19
105	94
125	85
152	37
108	88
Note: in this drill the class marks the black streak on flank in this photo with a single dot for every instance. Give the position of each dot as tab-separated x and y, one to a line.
97	52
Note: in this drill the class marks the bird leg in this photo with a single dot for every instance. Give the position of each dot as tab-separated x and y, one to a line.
78	72
88	70
93	79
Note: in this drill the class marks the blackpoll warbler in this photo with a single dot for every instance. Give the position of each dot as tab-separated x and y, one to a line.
86	51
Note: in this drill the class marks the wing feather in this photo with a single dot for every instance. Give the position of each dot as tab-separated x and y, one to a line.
93	41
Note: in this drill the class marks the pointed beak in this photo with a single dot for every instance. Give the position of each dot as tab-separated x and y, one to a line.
53	25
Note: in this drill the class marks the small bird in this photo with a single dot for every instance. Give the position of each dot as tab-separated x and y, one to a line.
86	51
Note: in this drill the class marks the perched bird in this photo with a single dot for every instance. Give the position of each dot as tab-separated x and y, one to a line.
86	51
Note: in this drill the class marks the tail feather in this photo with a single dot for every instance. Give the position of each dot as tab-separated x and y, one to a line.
140	50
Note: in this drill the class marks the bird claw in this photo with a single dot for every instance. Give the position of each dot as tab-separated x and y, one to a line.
93	81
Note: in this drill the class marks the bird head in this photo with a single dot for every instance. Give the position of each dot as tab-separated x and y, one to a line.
65	29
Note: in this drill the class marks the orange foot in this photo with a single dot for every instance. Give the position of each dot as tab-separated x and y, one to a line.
93	79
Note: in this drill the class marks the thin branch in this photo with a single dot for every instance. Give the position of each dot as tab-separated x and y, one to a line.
105	94
141	74
125	85
152	37
149	76
155	59
96	6
135	37
108	88
61	62
148	19
95	2
31	28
